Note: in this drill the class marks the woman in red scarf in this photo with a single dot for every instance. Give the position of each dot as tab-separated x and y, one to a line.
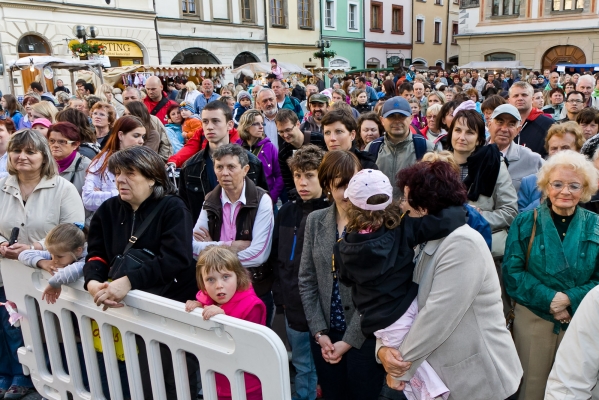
64	139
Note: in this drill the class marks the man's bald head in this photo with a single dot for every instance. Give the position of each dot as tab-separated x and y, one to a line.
154	88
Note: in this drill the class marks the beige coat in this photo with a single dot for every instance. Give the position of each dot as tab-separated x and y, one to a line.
460	329
576	368
53	201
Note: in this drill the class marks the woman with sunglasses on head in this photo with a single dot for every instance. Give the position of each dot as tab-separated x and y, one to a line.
252	138
64	139
550	264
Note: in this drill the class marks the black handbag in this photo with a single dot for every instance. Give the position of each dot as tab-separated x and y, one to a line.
134	259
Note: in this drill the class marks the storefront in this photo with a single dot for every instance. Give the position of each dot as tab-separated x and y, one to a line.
121	53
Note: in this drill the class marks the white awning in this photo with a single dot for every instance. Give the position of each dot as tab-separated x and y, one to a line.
486	65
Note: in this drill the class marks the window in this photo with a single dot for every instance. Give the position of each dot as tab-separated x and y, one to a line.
437	32
304	13
376	16
500	57
329	14
419	28
397	15
246	11
468	3
188	7
506	7
567	5
454	32
438	2
352	18
277	12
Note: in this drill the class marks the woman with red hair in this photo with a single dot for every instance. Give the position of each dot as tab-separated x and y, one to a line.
99	182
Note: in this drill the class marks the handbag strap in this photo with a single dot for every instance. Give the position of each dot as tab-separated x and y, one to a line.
145	225
532	238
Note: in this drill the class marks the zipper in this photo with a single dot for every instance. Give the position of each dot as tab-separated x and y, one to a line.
294	243
133	225
201	181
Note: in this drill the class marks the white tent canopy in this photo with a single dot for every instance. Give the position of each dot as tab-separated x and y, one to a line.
264	68
487	65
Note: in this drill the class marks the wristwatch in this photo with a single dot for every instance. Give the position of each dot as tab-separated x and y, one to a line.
319	335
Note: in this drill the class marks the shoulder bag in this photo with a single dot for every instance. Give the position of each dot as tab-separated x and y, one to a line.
511	315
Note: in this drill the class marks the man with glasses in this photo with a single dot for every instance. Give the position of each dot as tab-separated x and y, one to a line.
535	126
504	125
574	105
157	100
288	128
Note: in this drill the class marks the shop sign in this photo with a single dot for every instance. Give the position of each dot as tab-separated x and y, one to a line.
120	49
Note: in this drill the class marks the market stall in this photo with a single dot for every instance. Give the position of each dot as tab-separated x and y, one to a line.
46	66
263	68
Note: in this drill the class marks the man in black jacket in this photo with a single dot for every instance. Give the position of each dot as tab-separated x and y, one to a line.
285	258
197	176
291	138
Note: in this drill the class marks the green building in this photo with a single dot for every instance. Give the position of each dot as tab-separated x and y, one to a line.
342	23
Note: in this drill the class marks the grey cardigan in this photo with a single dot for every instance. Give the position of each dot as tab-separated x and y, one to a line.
522	162
460	329
316	280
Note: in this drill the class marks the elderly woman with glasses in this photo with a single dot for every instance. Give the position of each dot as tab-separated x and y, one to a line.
550	264
253	139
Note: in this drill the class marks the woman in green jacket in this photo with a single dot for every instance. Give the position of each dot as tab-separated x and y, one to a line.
548	284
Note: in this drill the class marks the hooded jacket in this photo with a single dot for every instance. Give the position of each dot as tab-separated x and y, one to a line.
534	131
269	156
378	266
286	255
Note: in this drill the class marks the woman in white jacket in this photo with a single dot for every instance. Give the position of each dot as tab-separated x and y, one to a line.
99	182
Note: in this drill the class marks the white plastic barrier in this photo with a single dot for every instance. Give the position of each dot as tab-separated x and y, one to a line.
222	344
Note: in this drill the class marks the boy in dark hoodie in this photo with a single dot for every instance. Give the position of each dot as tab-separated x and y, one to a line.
244	103
285	257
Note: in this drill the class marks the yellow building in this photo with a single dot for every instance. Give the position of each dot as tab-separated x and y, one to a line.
293	27
430	33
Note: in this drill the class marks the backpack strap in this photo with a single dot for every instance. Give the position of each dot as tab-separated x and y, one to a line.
375	146
75	170
146	223
419	146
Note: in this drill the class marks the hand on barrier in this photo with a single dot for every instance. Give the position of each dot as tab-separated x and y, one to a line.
211	311
393	361
111	294
50	294
47	265
192	305
12	252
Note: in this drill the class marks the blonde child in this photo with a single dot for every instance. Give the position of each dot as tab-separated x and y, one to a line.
191	121
64	258
225	288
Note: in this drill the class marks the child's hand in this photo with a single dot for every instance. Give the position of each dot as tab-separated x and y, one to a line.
47	265
192	305
50	294
211	311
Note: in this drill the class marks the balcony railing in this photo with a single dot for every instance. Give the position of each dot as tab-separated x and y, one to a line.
469	3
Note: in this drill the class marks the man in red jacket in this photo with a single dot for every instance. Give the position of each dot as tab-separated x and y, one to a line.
157	100
196	143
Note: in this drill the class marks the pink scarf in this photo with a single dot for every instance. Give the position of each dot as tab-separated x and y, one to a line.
66	162
244	305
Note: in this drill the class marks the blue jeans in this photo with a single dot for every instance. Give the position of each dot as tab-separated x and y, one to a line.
269	302
301	357
11	371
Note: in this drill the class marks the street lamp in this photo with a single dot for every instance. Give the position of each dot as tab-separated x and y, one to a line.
323	44
82	32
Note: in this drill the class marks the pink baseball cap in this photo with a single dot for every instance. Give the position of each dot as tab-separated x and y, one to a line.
364	185
41	121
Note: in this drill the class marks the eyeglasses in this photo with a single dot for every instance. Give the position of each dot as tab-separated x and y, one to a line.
575	101
572	187
60	142
257	124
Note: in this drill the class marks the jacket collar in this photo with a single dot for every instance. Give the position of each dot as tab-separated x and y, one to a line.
45	183
513	152
399	145
214	199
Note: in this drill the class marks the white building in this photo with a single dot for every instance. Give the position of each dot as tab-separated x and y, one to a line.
32	27
388	33
229	32
539	33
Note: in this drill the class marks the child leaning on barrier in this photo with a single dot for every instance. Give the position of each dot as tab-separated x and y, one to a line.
64	258
225	288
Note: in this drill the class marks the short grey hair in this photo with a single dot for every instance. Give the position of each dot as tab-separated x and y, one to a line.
588	78
233	150
523	85
31	139
265	89
571	160
133	89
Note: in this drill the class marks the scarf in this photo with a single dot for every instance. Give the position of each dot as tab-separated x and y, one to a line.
483	169
66	162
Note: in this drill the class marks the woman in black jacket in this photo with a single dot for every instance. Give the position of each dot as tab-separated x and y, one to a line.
167	269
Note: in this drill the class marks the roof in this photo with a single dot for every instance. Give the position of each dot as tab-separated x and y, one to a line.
39	62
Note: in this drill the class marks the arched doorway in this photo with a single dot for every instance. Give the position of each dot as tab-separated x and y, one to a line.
373	63
561	55
244	58
33	45
195	56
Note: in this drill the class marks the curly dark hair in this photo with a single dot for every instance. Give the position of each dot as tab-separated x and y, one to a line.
434	186
359	219
307	158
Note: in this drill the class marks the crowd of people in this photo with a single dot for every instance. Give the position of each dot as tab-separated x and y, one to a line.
425	236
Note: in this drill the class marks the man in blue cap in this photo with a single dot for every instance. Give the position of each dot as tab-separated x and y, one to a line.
400	147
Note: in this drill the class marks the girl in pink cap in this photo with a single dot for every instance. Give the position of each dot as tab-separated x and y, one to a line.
376	257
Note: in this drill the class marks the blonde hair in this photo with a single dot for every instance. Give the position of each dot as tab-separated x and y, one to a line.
563	128
435	108
355	94
576	162
220	259
246	121
65	238
444	156
47	109
439	95
191	86
101	91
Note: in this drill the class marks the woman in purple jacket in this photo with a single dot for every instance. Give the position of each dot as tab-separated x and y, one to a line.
251	132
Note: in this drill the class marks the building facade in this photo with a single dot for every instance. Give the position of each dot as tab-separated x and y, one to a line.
292	30
453	23
430	33
229	32
45	28
343	24
539	33
388	33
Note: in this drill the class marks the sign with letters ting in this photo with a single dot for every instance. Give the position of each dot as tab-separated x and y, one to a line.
120	49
